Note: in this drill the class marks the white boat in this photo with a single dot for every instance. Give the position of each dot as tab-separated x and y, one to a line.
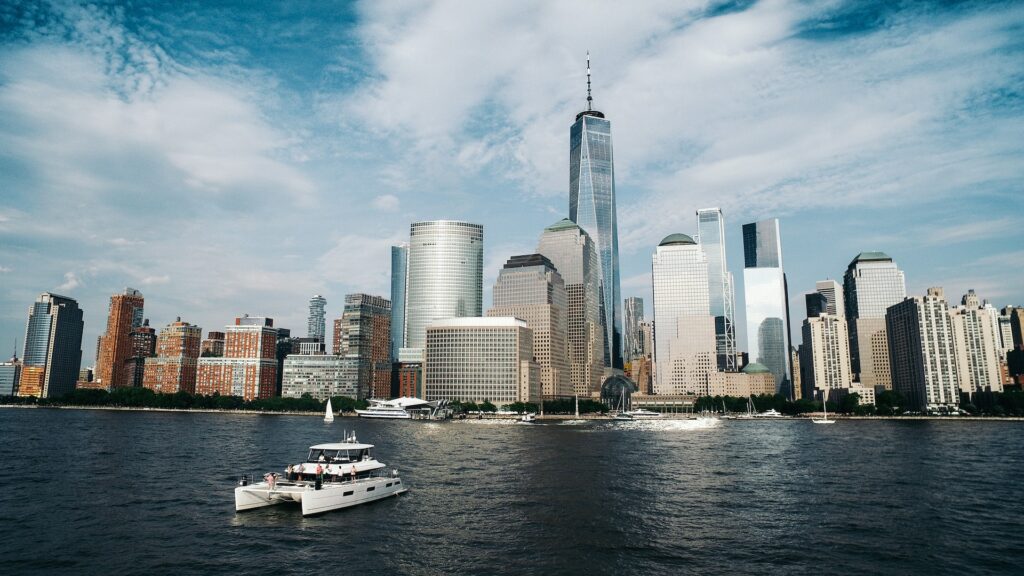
528	418
824	406
383	410
334	475
328	412
643	414
405	408
770	413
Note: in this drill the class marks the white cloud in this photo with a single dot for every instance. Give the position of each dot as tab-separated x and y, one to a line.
386	203
71	282
5	269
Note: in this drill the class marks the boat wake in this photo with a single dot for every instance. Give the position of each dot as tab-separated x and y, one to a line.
669	425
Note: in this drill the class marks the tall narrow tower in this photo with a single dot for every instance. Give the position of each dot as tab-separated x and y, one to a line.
592	207
317	323
711	235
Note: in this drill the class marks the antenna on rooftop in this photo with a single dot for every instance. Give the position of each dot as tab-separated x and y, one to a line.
590	99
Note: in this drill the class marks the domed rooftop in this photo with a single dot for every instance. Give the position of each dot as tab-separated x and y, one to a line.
676	240
755	368
614	385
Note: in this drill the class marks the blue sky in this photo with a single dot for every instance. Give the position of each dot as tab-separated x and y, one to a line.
238	158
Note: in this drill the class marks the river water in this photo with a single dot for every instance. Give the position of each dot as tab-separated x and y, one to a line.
105	492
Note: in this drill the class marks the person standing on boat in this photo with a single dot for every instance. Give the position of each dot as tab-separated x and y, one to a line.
319	476
289	472
353	473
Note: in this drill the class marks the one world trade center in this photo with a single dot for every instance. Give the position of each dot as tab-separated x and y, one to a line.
592	207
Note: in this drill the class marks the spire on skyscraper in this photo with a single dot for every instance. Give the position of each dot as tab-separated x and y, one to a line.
590	99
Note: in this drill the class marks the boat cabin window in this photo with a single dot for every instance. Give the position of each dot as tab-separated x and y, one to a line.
323	455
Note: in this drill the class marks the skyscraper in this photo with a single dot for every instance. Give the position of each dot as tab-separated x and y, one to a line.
125	314
445	276
634	316
872	284
249	365
53	347
833	293
767	300
177	355
711	236
364	334
592	207
317	324
399	286
922	352
977	346
572	252
531	289
684	343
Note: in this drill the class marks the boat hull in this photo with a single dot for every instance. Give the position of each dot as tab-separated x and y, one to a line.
401	416
332	496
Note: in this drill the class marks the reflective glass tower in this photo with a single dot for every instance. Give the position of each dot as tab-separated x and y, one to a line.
399	274
316	326
632	341
711	235
871	285
767	299
445	278
53	347
592	207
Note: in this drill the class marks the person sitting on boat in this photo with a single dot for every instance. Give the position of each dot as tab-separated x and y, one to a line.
321	458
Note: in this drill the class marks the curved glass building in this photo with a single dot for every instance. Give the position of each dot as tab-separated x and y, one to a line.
592	207
445	275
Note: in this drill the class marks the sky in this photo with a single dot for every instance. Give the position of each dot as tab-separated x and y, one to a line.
230	158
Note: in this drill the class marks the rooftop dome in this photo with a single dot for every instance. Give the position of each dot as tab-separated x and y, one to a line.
676	240
755	368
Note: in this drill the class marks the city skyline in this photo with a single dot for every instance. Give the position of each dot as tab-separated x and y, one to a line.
74	222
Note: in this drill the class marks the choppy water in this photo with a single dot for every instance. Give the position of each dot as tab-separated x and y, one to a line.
98	492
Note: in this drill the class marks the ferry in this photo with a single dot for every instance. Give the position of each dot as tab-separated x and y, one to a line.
406	408
334	475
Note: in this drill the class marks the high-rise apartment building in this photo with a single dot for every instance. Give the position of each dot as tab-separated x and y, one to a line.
531	289
399	287
1016	325
592	207
1006	330
767	301
143	347
177	357
478	359
53	347
213	345
721	292
977	346
125	314
871	285
685	349
922	352
317	322
445	277
633	310
825	354
572	252
249	365
363	333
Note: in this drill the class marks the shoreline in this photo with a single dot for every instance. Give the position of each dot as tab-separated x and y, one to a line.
546	417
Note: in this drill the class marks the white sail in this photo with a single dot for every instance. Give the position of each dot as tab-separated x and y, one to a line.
328	412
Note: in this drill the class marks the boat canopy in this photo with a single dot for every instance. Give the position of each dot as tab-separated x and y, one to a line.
341	446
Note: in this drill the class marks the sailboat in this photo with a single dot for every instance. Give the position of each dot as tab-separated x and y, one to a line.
824	405
577	406
328	412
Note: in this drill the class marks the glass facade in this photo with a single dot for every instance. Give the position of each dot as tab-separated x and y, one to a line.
317	323
53	346
684	342
572	252
767	301
399	274
364	333
445	278
592	206
711	235
634	316
871	285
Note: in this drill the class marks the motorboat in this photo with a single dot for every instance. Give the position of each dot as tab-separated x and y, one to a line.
643	414
528	418
384	410
770	413
334	475
406	408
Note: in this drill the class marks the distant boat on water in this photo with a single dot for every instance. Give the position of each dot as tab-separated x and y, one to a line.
328	412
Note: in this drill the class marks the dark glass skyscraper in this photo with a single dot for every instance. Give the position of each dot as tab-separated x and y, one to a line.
53	347
592	207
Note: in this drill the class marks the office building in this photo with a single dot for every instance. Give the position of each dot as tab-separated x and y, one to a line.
825	358
125	314
249	366
531	289
321	376
10	375
633	310
832	291
399	288
363	333
592	207
767	301
445	277
871	285
685	352
754	380
573	253
977	346
53	347
922	352
478	359
721	292
177	358
1016	316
